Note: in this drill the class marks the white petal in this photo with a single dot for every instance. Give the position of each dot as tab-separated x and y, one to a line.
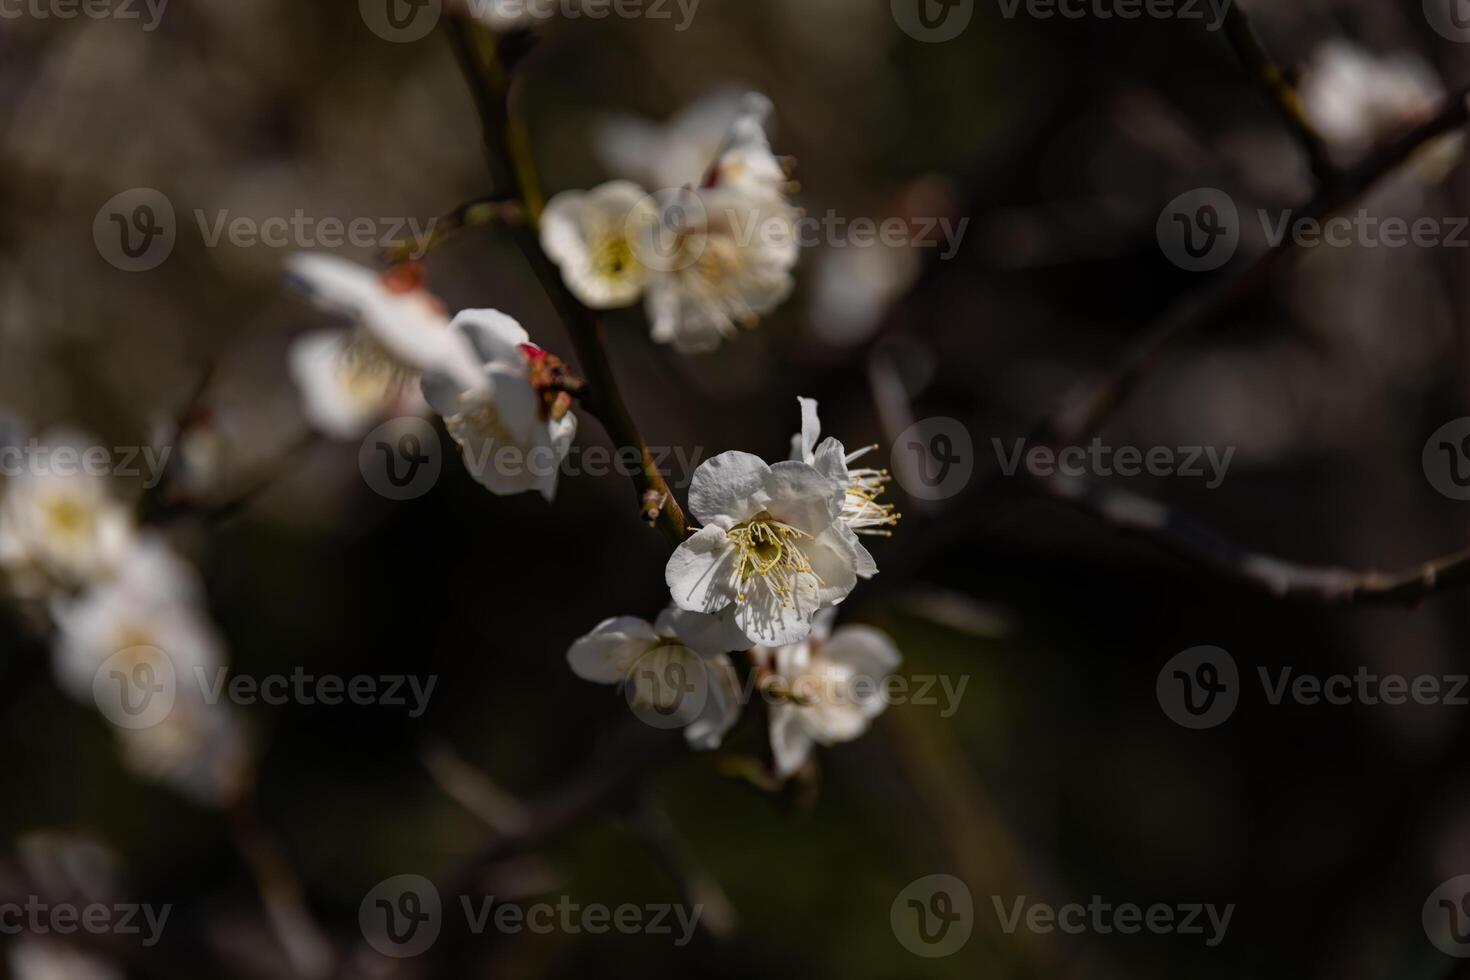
331	403
605	655
835	563
701	570
802	497
804	443
703	633
771	620
790	744
494	336
721	706
730	488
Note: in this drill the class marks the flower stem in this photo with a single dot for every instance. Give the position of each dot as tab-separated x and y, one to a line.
507	146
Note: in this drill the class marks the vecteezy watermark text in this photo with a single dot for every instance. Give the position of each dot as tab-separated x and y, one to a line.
1212	12
403	916
1104	918
148	12
1100	460
37	917
36	458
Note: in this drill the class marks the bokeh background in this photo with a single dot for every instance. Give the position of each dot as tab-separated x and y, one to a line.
1059	777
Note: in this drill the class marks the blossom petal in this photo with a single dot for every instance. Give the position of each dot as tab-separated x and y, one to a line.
790	744
494	336
834	563
730	488
721	706
605	655
772	620
705	634
802	497
804	443
701	570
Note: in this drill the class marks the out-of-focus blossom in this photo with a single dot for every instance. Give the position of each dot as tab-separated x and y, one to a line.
149	621
713	249
350	379
35	958
830	688
628	651
60	526
677	153
512	419
1356	99
498	15
773	546
590	236
852	289
861	487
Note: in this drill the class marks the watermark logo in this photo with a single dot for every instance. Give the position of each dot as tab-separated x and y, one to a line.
933	21
136	230
37	917
1446	459
135	687
933	917
402	458
401	21
1098	459
1449	18
1199	230
402	916
1199	688
934	459
667	687
1106	918
1446	917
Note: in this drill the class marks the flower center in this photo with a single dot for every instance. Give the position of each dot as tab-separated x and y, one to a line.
368	369
612	257
68	516
770	554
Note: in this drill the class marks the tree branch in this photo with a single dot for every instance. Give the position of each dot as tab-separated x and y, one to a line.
506	146
1082	416
1159	525
1283	97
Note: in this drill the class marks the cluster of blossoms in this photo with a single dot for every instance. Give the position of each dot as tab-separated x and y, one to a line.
778	552
125	607
711	250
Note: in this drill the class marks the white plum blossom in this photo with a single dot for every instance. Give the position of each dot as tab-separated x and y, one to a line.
628	651
861	487
351	379
773	547
724	259
1356	99
61	526
712	249
150	618
591	237
513	423
830	688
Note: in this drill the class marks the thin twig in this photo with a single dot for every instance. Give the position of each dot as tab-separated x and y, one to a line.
1272	80
511	166
1160	525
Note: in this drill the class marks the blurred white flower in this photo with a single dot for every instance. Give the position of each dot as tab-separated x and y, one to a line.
861	487
60	526
150	616
677	153
34	958
498	15
350	379
723	258
853	288
629	652
1356	99
590	236
773	546
830	686
512	422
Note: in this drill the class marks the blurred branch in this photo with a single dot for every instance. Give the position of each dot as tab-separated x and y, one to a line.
495	209
475	791
1082	416
697	887
305	945
1159	525
1272	80
488	70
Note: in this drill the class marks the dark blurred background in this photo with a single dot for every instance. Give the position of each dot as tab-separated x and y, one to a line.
1059	777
